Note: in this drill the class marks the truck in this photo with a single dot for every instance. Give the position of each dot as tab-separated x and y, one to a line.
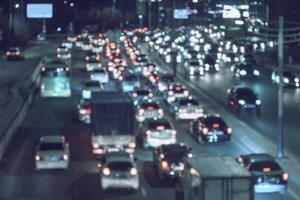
214	177
112	122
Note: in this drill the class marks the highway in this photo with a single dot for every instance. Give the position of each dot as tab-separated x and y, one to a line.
19	179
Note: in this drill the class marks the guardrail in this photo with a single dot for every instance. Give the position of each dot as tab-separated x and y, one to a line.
25	91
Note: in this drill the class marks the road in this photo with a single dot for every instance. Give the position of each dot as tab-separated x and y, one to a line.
19	180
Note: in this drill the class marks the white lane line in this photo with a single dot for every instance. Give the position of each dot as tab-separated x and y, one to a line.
144	193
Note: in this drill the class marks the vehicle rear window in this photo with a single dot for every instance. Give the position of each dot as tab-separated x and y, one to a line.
149	106
188	102
51	146
167	78
142	92
265	166
130	78
120	166
214	122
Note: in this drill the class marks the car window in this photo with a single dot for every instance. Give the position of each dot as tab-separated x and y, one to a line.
51	146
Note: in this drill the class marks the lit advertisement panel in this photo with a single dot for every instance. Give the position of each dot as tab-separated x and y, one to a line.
39	10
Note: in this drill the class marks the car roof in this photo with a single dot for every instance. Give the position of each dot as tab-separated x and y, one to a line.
158	120
172	146
260	157
52	139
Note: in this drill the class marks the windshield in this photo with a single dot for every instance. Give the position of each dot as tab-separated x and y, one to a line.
119	166
160	126
149	106
266	166
244	92
55	72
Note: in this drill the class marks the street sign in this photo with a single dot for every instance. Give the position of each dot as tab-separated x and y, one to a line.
39	10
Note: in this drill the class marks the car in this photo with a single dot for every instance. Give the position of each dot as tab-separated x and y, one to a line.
194	68
129	82
100	75
168	159
86	45
148	109
175	90
290	79
186	108
89	87
141	94
52	152
93	65
156	132
244	71
165	81
97	48
269	176
92	56
67	43
119	170
240	97
211	63
63	52
14	54
84	111
172	55
210	128
149	68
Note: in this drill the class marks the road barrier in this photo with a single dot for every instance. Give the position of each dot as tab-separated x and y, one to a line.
24	93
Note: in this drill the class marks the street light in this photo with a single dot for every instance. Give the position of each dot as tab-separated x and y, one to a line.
17	5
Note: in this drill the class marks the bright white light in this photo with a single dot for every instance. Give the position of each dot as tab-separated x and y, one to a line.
71	4
17	5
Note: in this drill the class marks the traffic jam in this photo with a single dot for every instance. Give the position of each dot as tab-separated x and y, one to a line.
129	92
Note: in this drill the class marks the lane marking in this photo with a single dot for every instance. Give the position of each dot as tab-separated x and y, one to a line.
144	193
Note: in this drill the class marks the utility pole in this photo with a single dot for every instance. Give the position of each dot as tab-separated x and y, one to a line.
280	153
150	15
114	11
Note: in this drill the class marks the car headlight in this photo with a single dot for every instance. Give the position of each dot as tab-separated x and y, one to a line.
192	69
133	171
258	102
243	72
256	72
296	80
286	80
242	102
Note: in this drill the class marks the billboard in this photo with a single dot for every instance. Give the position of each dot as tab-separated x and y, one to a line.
181	14
39	10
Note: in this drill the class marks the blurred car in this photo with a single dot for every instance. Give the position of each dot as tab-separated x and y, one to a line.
269	176
290	79
243	97
186	108
156	132
140	94
174	91
165	81
210	128
92	56
86	45
89	87
168	159
100	75
93	65
244	71
67	43
211	64
97	48
84	110
194	68
119	170
149	68
14	54
129	82
148	109
52	152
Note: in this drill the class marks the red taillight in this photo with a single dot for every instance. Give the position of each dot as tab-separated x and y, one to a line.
267	169
205	131
229	130
285	177
85	111
141	111
216	126
150	107
165	165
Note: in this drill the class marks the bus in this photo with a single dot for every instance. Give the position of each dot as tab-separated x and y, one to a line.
55	80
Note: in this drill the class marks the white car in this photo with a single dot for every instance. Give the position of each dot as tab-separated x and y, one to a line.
129	82
119	170
187	108
156	132
92	65
100	75
148	109
67	44
52	152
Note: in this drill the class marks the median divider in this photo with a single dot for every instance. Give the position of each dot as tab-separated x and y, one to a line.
22	95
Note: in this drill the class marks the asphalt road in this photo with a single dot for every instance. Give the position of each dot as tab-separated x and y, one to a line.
19	180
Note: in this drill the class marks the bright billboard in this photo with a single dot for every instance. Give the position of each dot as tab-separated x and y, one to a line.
39	10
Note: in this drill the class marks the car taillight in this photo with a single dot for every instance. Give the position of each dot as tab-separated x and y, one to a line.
229	131
148	133
186	93
18	53
38	157
106	171
8	53
164	165
65	157
160	111
133	171
174	132
285	177
205	131
141	111
87	58
85	111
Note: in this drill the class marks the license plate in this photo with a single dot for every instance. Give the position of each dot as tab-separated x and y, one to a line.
218	133
54	158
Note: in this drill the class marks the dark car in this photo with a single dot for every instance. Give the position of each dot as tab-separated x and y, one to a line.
168	159
14	54
243	97
92	56
290	79
268	173
210	128
165	81
210	63
244	71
